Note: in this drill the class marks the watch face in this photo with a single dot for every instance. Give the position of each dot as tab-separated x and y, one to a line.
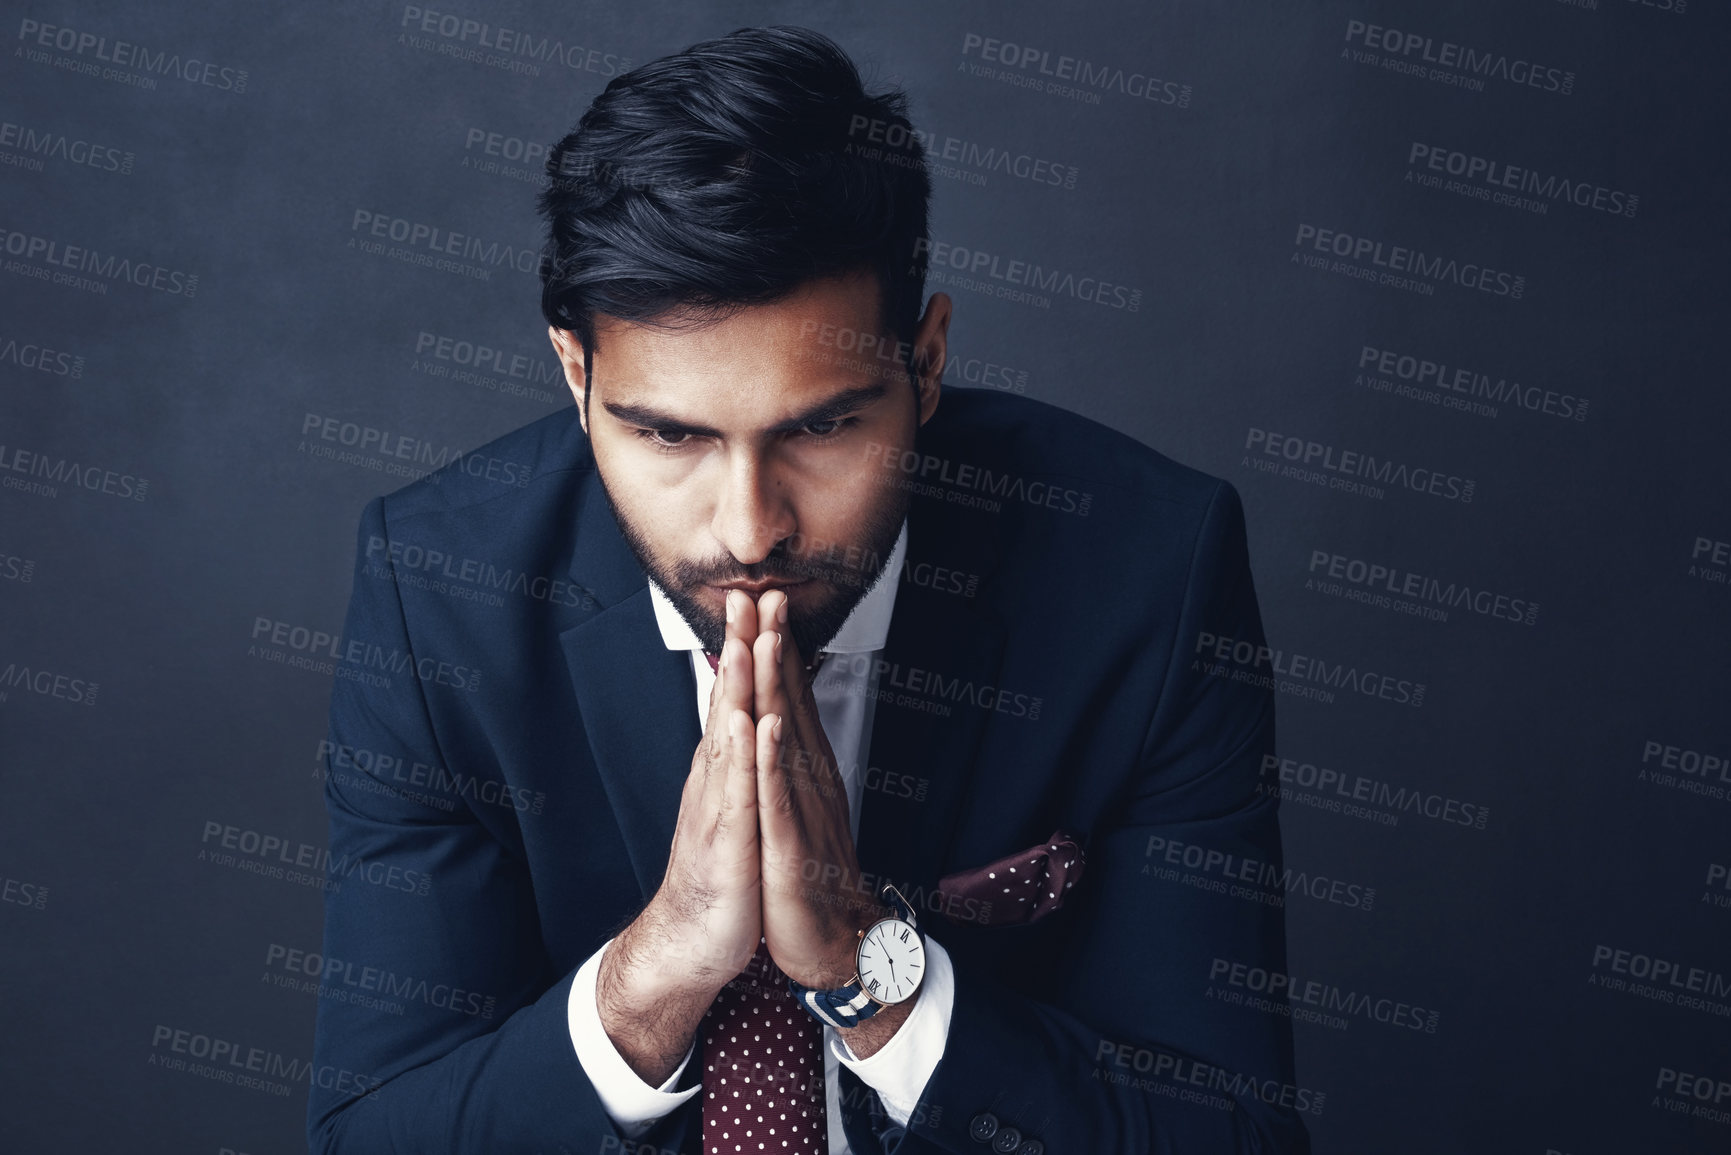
892	960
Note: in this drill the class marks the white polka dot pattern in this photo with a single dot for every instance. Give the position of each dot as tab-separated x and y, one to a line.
1021	887
763	1085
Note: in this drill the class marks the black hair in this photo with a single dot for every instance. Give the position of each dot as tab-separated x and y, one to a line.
729	175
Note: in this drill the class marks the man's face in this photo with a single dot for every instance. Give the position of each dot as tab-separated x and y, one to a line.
752	451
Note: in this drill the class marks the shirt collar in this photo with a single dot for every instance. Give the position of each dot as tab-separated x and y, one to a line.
865	630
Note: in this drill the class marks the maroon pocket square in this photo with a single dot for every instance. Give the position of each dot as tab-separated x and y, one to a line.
1018	888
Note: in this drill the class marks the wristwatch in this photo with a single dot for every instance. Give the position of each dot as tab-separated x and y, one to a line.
889	962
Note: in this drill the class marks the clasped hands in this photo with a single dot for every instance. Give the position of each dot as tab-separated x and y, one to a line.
762	847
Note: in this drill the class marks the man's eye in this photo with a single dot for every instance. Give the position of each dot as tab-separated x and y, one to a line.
656	437
836	426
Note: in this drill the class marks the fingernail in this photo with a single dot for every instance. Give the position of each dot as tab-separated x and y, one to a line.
729	600
775	730
781	610
778	645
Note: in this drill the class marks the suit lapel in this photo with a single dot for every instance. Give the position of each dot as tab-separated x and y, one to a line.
942	649
637	698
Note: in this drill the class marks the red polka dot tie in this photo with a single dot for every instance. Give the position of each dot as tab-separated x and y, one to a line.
763	1085
763	1089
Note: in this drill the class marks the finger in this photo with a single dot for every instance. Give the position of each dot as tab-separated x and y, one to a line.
710	766
766	670
763	649
713	713
742	616
739	691
775	660
795	700
774	789
736	814
790	663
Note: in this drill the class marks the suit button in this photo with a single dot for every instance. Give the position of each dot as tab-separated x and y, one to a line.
983	1126
1006	1141
1031	1147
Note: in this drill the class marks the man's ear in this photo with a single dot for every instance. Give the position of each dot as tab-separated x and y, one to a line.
571	356
931	350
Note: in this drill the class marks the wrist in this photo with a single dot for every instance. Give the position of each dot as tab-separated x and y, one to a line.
840	964
870	1036
650	965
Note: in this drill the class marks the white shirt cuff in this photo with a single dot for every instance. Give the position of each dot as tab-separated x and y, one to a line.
631	1103
900	1070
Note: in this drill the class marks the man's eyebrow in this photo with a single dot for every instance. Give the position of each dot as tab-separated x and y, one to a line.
830	409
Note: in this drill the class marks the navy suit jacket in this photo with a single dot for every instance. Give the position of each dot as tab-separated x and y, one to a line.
509	737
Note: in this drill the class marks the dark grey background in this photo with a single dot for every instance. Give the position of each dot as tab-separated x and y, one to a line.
113	927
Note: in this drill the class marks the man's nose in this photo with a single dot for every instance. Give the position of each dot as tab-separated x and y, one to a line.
753	511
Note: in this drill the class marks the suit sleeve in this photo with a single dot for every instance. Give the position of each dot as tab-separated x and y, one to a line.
441	1024
1133	1053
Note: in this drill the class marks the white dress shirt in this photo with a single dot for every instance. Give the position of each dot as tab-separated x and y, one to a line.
846	703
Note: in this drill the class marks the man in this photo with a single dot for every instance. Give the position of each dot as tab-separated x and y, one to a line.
779	766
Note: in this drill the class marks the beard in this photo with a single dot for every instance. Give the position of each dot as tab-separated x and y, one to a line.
811	626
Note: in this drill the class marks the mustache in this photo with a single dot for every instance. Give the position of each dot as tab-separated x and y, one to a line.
775	567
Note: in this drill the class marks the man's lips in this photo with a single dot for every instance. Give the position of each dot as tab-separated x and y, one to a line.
759	588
